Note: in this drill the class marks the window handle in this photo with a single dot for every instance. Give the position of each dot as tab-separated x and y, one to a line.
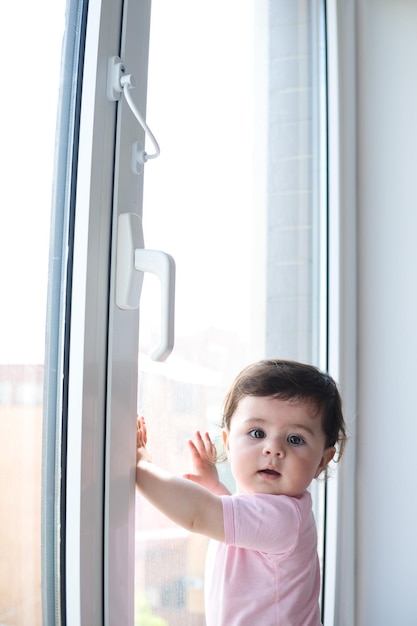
132	260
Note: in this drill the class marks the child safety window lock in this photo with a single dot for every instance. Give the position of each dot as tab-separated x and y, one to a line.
118	83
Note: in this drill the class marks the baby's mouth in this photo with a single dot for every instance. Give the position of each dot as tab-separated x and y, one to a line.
269	472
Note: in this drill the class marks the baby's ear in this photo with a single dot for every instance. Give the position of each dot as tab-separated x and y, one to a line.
225	437
328	454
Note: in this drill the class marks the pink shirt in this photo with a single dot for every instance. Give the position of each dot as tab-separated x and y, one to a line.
266	573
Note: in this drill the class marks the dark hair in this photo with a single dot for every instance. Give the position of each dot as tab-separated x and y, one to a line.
289	380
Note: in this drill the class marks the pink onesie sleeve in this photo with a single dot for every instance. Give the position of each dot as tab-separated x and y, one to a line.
261	522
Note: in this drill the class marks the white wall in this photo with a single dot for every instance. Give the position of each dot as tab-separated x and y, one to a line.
386	429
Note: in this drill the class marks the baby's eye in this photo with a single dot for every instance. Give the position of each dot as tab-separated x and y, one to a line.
257	433
295	440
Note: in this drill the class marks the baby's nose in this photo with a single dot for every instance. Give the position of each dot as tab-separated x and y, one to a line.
273	448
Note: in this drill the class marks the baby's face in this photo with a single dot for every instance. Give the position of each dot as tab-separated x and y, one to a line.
276	446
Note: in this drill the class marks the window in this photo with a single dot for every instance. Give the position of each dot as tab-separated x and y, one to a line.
235	95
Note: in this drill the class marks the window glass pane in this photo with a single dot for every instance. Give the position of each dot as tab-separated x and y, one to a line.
31	50
236	99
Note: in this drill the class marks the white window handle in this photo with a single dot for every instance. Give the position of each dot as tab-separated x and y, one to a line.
131	261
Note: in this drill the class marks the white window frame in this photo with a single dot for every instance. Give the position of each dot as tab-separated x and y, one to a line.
339	583
102	373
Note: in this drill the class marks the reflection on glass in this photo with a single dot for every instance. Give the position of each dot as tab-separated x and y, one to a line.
31	51
234	192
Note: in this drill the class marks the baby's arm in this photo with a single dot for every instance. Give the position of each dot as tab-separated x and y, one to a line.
186	503
203	458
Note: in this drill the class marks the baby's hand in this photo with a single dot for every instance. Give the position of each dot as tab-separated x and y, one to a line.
203	458
142	453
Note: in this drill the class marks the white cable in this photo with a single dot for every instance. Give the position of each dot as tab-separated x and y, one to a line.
127	83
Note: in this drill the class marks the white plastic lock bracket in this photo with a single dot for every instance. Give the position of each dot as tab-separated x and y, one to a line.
115	71
132	260
138	157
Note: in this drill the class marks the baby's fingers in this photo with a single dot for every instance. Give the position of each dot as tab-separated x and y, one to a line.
195	453
210	448
143	428
141	435
205	447
193	477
